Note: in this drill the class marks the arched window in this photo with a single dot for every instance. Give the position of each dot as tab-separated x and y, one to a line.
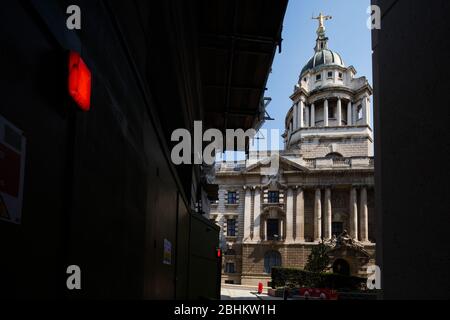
334	155
271	259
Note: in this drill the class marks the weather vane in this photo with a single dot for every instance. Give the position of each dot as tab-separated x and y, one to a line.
321	18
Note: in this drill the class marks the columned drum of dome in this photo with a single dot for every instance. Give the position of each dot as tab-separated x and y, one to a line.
334	101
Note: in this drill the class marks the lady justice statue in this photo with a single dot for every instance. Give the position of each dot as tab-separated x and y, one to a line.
321	18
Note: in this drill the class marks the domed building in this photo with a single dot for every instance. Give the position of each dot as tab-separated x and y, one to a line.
323	190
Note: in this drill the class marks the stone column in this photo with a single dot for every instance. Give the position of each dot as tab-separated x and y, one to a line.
366	111
353	215
300	217
300	114
363	216
318	216
313	115
294	116
328	215
339	112
265	229
247	214
257	215
349	114
307	124
290	215
325	113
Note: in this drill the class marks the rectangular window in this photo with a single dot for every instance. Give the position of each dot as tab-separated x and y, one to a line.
330	75
318	77
359	112
229	267
272	230
337	228
331	112
232	199
274	197
231	227
340	75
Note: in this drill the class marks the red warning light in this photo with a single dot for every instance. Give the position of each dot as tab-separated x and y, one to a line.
219	253
79	81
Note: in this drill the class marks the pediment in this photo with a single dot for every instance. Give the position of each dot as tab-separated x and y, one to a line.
271	166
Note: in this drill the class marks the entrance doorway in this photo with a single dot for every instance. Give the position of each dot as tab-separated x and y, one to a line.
340	266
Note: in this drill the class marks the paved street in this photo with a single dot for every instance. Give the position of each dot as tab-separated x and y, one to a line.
235	292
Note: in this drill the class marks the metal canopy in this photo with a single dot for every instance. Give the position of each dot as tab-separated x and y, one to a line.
237	45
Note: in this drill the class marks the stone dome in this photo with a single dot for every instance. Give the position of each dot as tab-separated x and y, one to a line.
321	58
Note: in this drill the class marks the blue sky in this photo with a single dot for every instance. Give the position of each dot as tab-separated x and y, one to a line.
347	33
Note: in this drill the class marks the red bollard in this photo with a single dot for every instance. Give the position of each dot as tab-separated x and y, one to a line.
260	288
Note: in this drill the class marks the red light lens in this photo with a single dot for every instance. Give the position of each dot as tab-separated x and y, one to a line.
79	81
219	253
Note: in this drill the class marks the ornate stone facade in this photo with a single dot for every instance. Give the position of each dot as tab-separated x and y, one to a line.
323	188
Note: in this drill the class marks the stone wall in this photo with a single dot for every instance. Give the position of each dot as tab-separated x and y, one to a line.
320	148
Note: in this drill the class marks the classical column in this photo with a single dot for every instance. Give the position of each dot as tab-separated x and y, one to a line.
247	214
349	114
318	216
307	124
363	216
353	215
294	116
327	218
325	113
339	113
300	217
300	114
355	114
369	111
365	110
257	215
313	115
265	229
290	215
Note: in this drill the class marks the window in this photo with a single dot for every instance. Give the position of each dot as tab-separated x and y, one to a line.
230	252
271	259
359	112
305	79
272	230
229	267
341	75
318	77
231	227
330	112
337	228
232	199
274	197
330	74
334	155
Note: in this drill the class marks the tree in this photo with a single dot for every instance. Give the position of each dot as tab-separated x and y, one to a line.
318	259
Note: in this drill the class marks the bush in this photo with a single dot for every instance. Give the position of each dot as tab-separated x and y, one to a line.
318	259
301	278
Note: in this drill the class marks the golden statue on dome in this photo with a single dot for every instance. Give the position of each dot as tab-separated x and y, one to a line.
321	18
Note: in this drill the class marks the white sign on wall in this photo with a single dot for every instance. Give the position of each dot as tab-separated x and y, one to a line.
12	167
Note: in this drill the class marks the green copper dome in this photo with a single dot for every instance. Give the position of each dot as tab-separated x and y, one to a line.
323	57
